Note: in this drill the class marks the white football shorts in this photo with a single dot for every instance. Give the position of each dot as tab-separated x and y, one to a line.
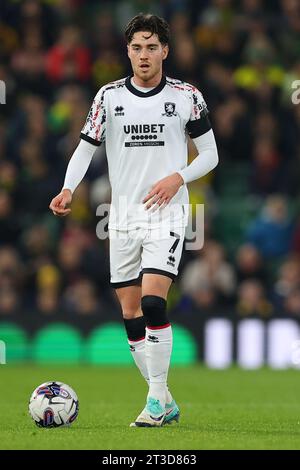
139	251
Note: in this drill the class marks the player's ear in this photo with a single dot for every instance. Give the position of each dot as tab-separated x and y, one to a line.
128	50
165	51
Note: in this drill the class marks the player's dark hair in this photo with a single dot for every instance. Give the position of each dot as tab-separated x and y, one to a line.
147	22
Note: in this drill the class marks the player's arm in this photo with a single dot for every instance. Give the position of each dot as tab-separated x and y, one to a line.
206	160
199	129
92	135
77	168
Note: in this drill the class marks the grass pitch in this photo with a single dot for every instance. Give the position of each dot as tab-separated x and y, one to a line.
230	409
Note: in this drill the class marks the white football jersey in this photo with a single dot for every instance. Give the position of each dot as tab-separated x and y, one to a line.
146	140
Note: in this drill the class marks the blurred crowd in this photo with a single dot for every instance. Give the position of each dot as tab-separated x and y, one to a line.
244	56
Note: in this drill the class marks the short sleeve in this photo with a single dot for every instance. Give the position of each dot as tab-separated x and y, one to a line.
94	128
199	122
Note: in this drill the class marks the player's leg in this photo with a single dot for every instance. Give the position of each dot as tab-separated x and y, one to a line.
158	344
160	408
134	321
159	341
125	268
160	261
130	301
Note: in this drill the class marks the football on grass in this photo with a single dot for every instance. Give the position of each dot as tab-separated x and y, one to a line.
53	404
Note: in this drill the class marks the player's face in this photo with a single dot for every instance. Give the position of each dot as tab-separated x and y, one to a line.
146	54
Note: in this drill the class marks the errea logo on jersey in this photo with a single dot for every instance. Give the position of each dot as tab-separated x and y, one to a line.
119	111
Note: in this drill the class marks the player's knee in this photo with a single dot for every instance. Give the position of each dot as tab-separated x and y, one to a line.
131	313
154	310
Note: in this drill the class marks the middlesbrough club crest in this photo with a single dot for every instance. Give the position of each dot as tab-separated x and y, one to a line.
170	110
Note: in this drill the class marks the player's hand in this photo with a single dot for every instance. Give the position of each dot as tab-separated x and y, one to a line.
60	202
163	191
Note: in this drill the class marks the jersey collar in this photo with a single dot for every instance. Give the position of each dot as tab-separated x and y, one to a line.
141	94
